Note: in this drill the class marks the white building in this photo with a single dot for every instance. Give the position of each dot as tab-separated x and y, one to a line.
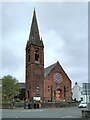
77	93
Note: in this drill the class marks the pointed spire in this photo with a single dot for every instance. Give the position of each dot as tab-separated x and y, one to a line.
34	37
34	32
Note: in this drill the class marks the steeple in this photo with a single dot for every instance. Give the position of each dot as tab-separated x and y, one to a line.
34	63
34	37
34	27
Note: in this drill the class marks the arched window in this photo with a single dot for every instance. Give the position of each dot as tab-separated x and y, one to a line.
37	88
29	58
28	55
48	89
37	55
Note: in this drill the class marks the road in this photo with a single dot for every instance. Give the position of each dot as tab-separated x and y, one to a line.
70	112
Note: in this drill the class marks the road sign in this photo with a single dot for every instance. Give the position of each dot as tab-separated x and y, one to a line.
86	89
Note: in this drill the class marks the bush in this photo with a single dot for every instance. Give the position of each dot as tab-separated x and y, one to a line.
17	100
6	101
19	104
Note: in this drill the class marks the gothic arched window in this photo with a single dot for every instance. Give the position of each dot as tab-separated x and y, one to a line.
37	55
28	55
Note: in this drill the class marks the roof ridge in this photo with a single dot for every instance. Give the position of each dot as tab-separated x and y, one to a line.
48	69
50	65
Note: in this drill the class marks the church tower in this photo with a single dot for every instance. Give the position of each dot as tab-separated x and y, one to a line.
34	63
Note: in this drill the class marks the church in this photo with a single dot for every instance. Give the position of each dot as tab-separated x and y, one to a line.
43	84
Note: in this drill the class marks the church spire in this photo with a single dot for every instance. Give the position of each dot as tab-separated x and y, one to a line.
34	32
34	37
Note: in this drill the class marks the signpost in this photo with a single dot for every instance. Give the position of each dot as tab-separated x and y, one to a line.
86	88
86	91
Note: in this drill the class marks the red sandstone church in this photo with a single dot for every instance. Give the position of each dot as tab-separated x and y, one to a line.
49	84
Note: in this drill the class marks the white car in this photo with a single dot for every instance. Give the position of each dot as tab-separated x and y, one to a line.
82	105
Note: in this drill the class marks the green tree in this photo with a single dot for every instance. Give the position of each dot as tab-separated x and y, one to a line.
10	87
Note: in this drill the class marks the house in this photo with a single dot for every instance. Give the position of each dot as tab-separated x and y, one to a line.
77	93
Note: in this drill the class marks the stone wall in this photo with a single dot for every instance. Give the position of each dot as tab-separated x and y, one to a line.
57	105
40	105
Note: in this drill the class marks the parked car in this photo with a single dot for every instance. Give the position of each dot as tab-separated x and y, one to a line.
82	105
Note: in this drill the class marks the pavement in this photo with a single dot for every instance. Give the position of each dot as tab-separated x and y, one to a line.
69	112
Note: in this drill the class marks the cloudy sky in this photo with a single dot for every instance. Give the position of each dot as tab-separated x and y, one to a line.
63	28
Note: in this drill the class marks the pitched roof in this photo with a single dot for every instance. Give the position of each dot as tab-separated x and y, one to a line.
76	86
48	69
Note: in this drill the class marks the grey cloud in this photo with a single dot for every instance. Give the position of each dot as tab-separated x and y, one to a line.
10	60
67	43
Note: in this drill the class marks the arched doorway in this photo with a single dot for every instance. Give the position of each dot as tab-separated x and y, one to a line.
58	94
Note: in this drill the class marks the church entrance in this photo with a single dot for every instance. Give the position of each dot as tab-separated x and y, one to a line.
58	94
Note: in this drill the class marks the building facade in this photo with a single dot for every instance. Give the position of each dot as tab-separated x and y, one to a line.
77	94
49	84
34	63
57	85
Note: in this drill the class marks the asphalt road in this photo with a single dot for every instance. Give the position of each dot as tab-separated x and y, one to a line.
70	112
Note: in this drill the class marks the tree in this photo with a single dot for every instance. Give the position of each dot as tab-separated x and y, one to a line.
10	87
21	95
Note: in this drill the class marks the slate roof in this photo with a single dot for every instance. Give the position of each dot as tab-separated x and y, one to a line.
76	86
34	41
48	69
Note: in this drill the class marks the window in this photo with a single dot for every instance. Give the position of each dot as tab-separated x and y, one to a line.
48	89
28	55
64	91
81	99
37	55
37	88
29	58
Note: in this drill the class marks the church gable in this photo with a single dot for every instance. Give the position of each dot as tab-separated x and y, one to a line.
57	68
57	83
